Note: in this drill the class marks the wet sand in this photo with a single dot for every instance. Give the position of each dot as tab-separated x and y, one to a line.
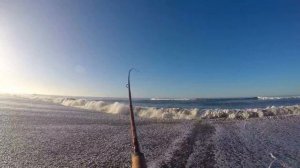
39	134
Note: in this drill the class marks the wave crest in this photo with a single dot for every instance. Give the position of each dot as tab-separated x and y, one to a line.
171	113
277	98
168	99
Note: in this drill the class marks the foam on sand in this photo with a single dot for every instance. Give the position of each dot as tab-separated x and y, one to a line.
168	113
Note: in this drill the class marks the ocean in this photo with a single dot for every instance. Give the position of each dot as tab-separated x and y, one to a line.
198	108
216	103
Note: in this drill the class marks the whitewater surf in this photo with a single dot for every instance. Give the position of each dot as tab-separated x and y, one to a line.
232	108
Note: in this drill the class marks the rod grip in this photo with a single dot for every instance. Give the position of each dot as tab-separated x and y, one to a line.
138	160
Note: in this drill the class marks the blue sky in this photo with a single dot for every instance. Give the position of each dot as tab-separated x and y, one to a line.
181	48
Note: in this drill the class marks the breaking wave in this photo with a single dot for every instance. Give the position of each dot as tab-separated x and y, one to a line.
277	98
169	113
166	99
226	99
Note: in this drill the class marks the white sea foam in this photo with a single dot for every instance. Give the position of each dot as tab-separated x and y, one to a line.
169	113
277	98
167	99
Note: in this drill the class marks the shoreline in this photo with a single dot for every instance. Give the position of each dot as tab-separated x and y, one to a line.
51	135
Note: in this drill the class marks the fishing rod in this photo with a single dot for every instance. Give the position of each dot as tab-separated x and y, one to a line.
137	157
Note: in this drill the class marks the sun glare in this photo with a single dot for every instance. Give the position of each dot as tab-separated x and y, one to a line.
11	89
9	75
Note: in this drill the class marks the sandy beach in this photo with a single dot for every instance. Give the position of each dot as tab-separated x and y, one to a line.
208	84
40	134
